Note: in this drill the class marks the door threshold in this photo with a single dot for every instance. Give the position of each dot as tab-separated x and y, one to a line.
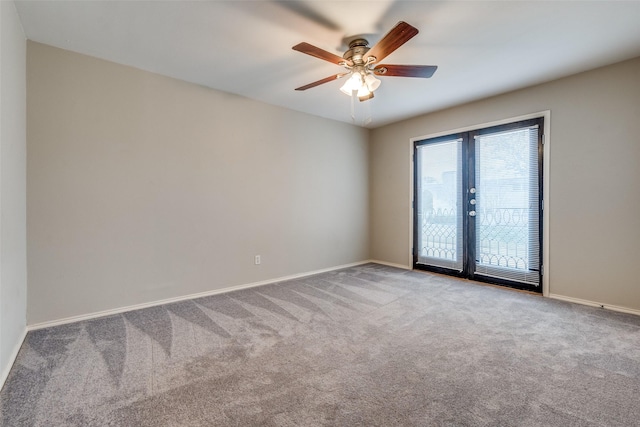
476	282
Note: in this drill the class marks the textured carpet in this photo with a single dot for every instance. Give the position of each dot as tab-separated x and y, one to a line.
364	346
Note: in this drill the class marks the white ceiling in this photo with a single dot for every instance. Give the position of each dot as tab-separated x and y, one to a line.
482	48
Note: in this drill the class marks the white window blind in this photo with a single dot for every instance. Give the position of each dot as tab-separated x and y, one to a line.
507	205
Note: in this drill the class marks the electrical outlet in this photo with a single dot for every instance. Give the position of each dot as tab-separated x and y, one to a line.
256	260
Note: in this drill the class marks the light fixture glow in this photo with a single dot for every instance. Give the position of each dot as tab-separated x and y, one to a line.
353	83
371	82
362	85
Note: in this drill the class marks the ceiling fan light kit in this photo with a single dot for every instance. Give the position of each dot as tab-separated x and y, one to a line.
363	65
363	85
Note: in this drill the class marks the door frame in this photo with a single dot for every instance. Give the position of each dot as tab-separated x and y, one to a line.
546	151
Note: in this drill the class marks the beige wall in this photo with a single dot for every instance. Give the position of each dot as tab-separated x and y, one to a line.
142	188
594	179
13	270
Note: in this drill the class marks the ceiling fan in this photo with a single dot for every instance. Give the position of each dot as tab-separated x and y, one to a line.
362	62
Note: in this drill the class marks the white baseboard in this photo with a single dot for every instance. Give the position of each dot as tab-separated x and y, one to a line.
596	304
391	264
104	313
12	359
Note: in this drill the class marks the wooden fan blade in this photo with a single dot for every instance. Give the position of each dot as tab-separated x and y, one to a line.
318	53
399	35
423	71
323	81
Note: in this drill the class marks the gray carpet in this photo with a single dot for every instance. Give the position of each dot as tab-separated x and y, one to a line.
365	346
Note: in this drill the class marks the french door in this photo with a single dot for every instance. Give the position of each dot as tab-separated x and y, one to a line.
478	204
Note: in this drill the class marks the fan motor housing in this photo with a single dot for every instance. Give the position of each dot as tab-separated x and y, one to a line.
357	49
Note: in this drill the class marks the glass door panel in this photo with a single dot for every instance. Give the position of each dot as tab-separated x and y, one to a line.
439	215
477	204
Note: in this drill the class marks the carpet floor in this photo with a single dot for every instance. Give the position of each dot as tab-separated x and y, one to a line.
364	346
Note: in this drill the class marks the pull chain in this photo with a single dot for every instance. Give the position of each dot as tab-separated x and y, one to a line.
354	94
367	116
